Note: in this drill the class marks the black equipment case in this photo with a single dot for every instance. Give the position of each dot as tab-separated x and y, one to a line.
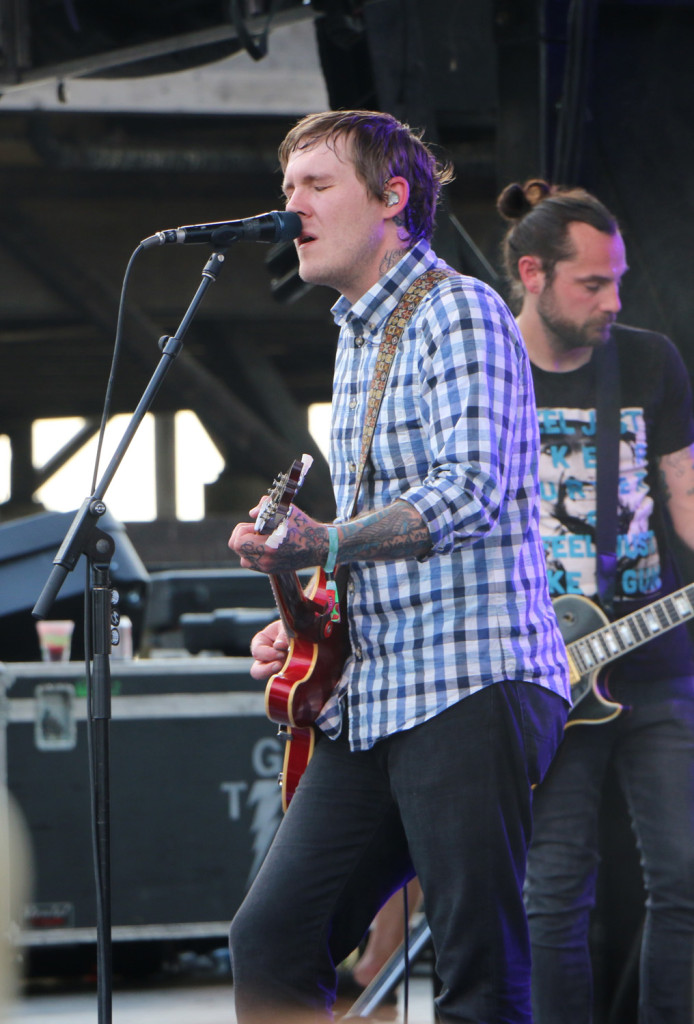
193	785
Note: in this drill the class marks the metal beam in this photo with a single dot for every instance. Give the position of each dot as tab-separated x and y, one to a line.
57	461
17	73
236	429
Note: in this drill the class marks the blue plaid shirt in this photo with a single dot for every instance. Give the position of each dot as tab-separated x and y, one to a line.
457	438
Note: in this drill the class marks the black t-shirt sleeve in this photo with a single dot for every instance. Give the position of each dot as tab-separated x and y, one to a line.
675	429
652	365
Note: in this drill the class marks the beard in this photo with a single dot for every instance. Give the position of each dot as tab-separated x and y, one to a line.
567	333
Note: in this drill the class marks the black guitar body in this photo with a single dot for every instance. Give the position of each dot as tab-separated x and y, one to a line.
577	617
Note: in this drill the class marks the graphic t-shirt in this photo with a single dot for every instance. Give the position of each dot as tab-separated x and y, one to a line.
656	420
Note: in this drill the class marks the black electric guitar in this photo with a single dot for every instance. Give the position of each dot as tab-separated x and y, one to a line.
593	642
318	644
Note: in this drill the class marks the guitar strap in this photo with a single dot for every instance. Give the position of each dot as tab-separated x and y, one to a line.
397	321
608	414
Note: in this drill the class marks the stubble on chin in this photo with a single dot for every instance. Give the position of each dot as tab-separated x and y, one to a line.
569	336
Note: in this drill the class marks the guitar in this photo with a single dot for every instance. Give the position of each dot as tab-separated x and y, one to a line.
318	642
592	642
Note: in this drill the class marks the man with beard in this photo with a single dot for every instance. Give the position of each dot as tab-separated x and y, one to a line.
565	258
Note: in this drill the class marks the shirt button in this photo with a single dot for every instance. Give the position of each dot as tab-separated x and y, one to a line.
358	340
357	653
353	404
350	586
352	467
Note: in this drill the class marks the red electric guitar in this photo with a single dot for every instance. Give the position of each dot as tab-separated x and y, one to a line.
318	643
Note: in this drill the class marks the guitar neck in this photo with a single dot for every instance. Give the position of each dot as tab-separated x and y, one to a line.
296	610
609	642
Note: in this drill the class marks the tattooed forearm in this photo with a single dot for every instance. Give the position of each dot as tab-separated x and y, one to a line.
394	532
674	469
676	472
665	490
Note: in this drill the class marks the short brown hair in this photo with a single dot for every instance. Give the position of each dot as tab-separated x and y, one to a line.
541	214
381	147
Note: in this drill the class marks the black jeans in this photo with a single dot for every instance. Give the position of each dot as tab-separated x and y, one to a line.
449	800
651	748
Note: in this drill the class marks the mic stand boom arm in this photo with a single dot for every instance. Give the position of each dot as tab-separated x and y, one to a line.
93	508
84	538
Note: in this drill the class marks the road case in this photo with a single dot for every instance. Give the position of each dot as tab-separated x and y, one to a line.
194	800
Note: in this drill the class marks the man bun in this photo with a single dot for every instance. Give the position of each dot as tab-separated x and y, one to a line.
518	200
541	215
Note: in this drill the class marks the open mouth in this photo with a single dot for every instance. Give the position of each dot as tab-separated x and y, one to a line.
304	239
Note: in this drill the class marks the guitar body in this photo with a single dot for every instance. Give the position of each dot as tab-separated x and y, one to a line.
298	751
317	648
592	642
318	643
295	695
577	617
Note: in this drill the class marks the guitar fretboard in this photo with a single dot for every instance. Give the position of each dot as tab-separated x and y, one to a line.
596	649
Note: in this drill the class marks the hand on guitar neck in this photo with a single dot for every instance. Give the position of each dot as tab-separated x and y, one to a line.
304	543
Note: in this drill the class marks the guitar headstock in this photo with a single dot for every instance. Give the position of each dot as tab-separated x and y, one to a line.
281	495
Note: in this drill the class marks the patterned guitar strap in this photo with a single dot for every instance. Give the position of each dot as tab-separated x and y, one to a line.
397	321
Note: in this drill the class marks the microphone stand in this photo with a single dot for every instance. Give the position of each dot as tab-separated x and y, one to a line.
83	537
392	972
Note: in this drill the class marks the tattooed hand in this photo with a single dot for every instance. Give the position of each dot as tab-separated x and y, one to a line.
397	531
305	545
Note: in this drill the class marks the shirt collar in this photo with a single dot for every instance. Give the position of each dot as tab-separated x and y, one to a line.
383	297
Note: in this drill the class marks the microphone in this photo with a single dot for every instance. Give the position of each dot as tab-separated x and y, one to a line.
275	226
